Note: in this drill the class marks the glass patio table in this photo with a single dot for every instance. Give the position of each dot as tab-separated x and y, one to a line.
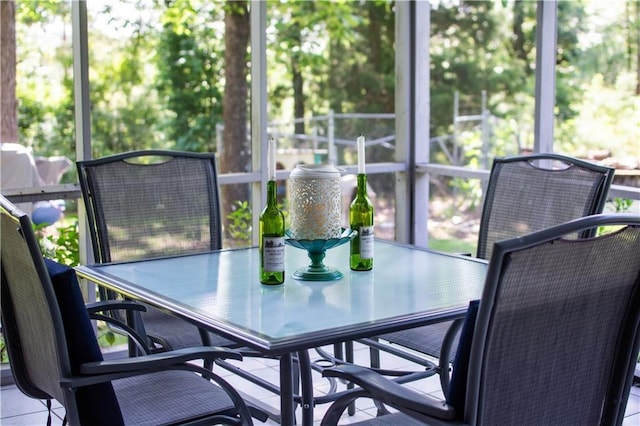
221	291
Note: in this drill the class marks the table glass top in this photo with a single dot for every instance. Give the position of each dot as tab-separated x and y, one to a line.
221	290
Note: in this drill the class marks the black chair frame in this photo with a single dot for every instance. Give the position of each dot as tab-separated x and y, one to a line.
595	181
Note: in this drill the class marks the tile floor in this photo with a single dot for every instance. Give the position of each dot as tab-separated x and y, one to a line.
17	409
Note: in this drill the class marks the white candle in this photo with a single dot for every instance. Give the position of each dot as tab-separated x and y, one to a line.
360	143
271	159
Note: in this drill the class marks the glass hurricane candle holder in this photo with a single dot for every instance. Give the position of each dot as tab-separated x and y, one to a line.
315	202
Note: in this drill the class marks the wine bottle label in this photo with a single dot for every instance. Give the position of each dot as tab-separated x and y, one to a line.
366	242
273	254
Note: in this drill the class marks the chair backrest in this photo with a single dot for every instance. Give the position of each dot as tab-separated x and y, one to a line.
533	192
47	330
144	204
556	337
31	323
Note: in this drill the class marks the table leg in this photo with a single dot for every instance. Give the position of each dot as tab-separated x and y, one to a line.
348	349
287	411
307	387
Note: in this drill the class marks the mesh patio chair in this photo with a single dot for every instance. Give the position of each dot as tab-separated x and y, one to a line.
54	353
524	194
145	204
554	341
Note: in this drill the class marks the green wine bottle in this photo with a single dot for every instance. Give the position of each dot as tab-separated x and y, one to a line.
361	219
271	239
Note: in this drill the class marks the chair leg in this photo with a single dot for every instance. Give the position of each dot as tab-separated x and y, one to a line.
374	357
206	341
135	320
348	352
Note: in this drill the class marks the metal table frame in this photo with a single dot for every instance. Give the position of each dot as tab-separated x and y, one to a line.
220	291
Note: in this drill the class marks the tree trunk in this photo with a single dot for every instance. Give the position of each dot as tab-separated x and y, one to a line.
9	106
518	38
298	86
235	150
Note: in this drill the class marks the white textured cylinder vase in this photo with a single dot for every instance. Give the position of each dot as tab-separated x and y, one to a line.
315	202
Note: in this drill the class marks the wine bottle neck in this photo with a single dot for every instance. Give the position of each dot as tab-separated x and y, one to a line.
272	193
362	184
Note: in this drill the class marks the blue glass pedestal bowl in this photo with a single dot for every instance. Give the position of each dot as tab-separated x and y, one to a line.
316	250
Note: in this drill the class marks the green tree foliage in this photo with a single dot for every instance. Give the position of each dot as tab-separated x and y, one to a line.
472	50
157	74
360	77
467	57
126	113
62	245
337	56
190	67
45	110
299	48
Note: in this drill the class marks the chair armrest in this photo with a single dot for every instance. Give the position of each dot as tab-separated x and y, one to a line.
445	353
389	392
138	336
159	360
111	305
92	373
